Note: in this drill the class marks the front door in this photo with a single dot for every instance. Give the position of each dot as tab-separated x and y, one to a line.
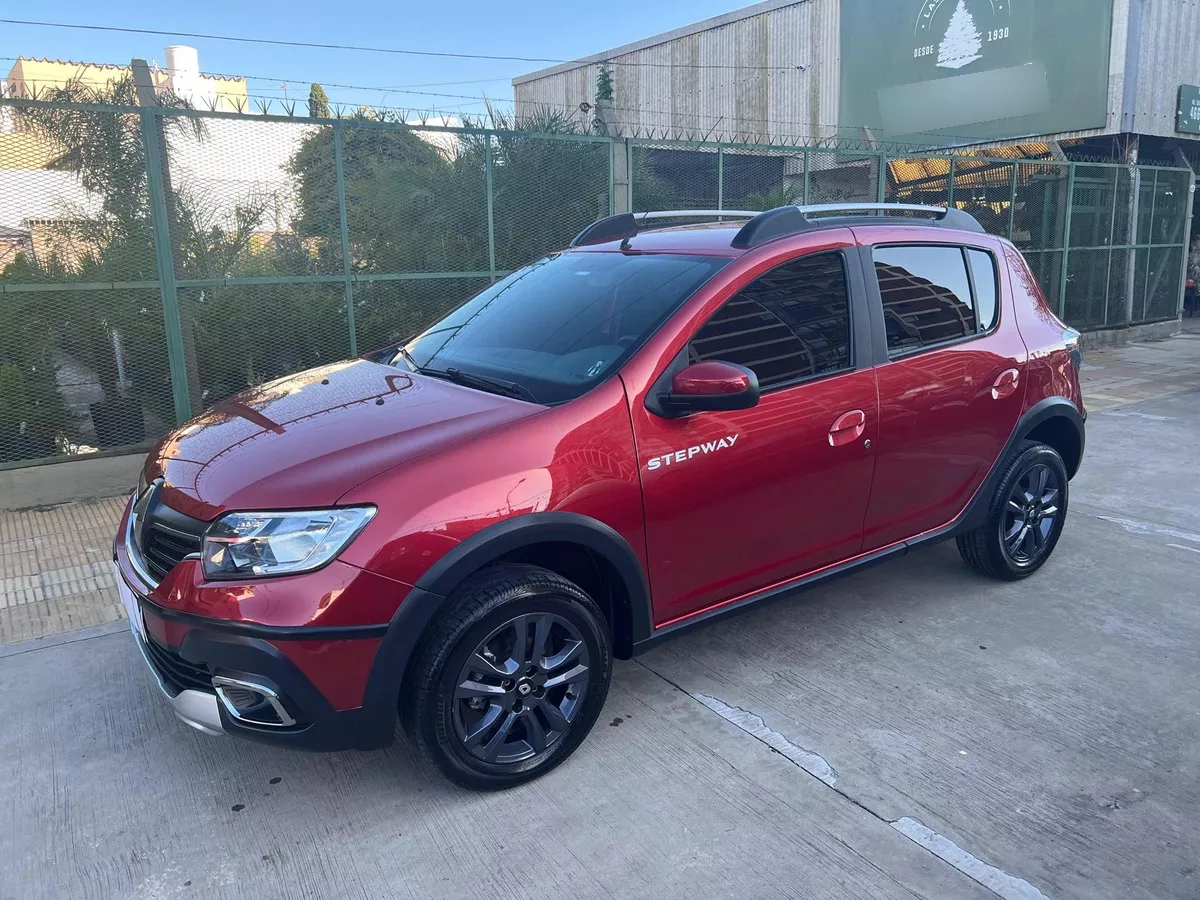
737	501
950	392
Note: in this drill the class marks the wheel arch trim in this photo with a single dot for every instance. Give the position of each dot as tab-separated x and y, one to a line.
1041	412
427	599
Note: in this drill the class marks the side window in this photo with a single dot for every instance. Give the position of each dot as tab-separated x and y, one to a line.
790	324
983	275
926	296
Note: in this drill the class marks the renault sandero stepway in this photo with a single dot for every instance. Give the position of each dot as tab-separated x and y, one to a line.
679	416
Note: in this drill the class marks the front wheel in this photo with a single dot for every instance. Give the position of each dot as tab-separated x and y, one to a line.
513	679
1025	516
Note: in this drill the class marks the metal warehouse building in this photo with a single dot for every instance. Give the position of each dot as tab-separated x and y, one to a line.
1072	127
915	71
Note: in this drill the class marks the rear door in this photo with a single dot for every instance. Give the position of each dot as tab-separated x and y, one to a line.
737	501
951	384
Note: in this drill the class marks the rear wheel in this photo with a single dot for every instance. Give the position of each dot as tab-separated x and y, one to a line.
513	679
1025	516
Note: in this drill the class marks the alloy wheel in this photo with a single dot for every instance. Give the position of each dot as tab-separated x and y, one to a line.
1030	514
521	688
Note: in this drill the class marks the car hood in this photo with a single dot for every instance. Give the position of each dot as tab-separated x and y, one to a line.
305	440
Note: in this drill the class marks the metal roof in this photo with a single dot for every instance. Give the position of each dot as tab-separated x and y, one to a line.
686	31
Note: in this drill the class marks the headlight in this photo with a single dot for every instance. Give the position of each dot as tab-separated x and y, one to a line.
279	543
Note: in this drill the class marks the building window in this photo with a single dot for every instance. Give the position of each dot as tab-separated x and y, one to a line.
926	296
788	325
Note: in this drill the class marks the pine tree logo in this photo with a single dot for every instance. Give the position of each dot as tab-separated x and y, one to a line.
963	41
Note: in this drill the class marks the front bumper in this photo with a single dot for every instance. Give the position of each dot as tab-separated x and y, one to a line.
289	648
186	661
199	709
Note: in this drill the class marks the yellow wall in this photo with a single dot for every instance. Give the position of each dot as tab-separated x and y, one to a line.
31	78
23	150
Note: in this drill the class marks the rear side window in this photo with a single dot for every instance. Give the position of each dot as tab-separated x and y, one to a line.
790	324
983	276
927	296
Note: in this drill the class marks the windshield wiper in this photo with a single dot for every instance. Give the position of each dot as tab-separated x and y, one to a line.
482	382
408	358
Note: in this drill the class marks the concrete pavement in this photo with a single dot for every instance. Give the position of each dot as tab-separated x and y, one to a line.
908	731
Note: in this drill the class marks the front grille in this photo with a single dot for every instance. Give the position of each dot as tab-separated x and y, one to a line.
181	674
163	536
163	550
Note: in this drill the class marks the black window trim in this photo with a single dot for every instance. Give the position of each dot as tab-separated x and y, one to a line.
877	297
852	318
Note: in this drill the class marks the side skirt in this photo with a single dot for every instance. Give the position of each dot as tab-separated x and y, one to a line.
796	585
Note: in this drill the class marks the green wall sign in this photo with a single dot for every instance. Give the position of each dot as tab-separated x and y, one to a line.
964	71
1187	117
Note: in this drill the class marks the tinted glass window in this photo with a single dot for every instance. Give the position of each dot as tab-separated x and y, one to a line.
562	325
926	296
983	271
792	323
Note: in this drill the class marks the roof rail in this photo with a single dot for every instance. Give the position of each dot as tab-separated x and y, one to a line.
626	225
796	219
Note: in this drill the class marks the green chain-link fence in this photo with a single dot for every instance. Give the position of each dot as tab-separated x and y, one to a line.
1107	242
154	262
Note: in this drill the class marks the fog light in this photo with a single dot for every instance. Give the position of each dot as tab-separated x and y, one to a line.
251	703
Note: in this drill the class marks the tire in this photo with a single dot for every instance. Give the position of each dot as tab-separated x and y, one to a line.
1003	547
472	682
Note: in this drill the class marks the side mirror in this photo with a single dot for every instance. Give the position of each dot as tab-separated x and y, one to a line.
712	385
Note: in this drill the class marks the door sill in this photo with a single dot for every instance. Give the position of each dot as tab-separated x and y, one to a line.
793	585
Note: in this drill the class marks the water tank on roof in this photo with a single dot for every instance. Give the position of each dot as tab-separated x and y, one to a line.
183	62
185	80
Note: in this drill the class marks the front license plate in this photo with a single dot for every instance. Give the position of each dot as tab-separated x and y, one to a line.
130	601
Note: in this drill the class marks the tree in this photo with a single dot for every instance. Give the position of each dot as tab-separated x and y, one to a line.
604	83
33	414
111	239
318	102
962	44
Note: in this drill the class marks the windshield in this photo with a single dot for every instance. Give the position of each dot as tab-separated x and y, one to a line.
553	330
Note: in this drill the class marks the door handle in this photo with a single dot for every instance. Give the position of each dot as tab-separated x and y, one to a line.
848	428
1006	384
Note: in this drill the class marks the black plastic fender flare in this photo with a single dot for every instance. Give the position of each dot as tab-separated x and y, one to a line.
427	600
975	514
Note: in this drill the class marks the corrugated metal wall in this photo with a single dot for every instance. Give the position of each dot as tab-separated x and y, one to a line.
678	88
770	75
1170	56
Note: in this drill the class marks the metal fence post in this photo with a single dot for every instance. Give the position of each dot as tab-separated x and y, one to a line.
881	186
1012	203
1066	253
1112	238
344	228
950	185
612	176
1187	236
720	178
807	166
487	167
164	259
629	175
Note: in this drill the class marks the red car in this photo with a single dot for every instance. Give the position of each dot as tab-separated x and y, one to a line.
660	425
